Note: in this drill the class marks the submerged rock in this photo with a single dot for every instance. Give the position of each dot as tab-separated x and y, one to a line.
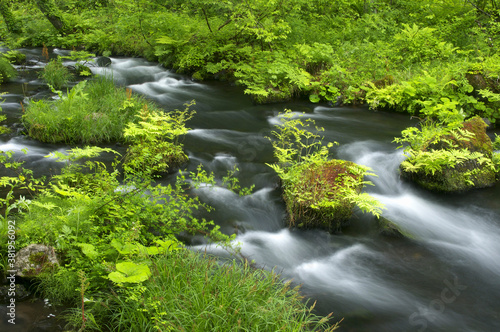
389	229
103	61
34	259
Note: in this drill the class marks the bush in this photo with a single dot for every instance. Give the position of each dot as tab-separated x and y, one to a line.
6	70
155	146
449	158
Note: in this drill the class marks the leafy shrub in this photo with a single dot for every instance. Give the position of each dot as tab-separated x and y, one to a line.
449	158
154	139
15	57
6	70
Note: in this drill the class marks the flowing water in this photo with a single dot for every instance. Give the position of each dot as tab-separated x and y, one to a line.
445	278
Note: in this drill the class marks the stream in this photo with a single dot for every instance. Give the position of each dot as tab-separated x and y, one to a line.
445	278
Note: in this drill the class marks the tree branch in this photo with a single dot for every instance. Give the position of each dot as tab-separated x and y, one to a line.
206	20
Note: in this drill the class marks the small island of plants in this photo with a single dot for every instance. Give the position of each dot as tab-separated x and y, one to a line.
318	191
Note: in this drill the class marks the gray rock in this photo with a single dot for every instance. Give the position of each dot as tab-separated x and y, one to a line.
103	61
33	259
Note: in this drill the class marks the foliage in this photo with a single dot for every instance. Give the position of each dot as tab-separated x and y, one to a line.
317	191
56	74
106	228
15	57
447	158
106	231
188	291
155	141
284	49
91	112
6	70
82	59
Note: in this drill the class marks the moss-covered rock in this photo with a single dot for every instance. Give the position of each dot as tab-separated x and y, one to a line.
389	229
35	259
318	198
465	157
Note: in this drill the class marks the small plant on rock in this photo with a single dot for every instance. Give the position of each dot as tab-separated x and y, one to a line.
453	157
318	191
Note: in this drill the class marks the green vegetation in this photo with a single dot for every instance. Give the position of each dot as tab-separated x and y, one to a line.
56	74
449	158
155	141
6	70
15	57
91	112
401	54
191	292
120	236
121	264
436	59
318	192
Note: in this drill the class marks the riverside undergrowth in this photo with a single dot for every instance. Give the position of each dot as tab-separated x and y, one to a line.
117	239
277	50
94	111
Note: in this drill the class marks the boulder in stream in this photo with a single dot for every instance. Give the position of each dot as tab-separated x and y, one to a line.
455	162
316	197
389	229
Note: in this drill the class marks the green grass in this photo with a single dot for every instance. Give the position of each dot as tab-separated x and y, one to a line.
193	292
92	112
56	74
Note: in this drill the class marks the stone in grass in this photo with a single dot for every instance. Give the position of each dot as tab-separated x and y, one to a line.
464	175
316	197
34	259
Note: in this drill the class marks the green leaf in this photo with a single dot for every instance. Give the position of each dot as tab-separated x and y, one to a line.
130	272
88	250
314	98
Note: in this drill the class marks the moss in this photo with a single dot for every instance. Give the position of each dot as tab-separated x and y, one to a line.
480	142
316	199
390	229
461	176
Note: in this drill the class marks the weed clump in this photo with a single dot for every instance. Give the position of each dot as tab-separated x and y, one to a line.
56	74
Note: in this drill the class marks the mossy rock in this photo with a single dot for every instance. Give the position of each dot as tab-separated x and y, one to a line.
316	199
389	229
462	176
479	142
35	259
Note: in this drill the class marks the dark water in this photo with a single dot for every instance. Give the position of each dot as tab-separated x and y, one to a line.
447	278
